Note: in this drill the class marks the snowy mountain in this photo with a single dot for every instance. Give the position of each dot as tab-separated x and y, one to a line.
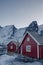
17	37
10	32
32	27
40	28
7	32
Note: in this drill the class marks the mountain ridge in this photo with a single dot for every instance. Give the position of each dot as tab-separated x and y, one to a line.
10	32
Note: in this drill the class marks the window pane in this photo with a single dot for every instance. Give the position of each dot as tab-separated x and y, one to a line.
28	48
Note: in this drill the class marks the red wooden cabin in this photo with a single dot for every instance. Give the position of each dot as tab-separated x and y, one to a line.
11	47
31	45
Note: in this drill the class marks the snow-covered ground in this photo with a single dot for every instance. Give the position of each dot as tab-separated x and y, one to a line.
6	59
10	60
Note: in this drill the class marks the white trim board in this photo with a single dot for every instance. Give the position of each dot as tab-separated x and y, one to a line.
38	51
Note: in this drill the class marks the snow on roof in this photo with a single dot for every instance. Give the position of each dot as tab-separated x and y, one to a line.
8	41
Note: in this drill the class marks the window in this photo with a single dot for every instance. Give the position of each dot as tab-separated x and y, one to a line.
28	48
11	47
28	39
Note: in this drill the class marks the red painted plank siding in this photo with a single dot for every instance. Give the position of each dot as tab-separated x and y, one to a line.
41	51
9	47
33	44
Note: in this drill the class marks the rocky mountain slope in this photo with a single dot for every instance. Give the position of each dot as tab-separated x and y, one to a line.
10	32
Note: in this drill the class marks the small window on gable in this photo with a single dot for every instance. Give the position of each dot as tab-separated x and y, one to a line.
28	39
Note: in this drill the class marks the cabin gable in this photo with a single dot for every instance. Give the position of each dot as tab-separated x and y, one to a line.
28	47
11	47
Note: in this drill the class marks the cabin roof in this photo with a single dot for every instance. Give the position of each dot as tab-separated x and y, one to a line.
38	37
8	41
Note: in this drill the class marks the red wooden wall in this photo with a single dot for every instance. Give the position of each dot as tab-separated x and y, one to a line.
9	47
33	44
41	51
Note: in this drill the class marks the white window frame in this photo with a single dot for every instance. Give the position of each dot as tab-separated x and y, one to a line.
28	48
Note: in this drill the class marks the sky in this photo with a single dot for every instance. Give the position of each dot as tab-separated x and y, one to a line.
21	12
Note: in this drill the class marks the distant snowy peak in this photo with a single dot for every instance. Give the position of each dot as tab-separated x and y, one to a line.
33	26
7	32
41	27
10	26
